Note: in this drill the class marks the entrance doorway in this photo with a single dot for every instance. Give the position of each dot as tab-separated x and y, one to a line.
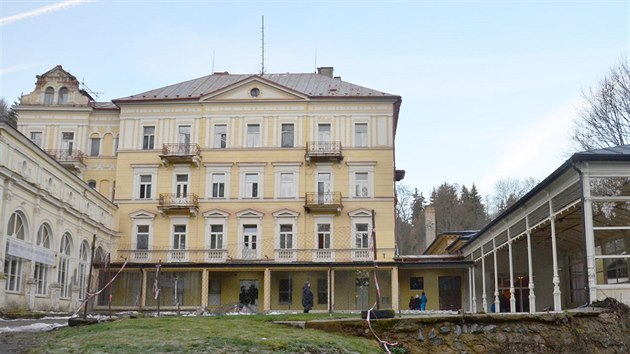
450	293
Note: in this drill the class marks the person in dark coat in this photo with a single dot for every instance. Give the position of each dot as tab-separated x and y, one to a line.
307	297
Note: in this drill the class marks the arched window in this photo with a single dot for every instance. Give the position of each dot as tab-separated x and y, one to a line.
49	96
84	258
13	263
63	277
63	96
44	235
92	184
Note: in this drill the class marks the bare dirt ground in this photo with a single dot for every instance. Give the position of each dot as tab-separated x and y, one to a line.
20	342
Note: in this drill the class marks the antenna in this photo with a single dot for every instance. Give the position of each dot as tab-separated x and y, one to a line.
92	93
212	62
262	39
315	61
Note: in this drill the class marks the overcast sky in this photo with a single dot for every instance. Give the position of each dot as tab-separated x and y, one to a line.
490	89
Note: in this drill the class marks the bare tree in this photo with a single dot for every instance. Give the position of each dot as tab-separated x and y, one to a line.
604	121
508	191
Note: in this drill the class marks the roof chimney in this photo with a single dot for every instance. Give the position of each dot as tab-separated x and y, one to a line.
326	71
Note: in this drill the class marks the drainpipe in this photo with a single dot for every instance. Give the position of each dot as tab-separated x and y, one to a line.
585	253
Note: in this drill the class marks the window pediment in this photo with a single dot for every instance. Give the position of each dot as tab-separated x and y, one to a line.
250	213
285	213
361	212
216	213
142	214
253	88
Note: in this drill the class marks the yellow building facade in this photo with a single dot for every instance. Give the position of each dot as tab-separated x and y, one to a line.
238	188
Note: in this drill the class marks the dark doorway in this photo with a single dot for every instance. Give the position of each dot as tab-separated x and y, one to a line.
450	293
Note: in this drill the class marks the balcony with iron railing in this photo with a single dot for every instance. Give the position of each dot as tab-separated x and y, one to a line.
323	202
323	151
181	153
178	203
70	159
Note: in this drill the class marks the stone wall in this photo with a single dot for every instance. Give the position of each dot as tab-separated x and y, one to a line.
580	332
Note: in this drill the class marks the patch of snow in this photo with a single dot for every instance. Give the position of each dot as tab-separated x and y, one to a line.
34	327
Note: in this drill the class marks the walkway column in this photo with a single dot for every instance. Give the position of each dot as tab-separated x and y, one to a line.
469	290
589	238
331	290
395	294
512	297
497	303
557	303
474	291
532	296
484	304
205	280
267	290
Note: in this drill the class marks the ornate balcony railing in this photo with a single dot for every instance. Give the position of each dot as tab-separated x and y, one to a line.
181	153
176	202
285	255
326	202
362	254
324	255
215	255
248	253
323	151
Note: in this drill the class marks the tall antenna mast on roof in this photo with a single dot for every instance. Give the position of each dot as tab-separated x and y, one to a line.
212	62
262	40
92	93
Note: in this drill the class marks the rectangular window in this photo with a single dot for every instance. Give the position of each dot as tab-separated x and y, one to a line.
361	235
360	135
286	236
64	276
95	146
179	237
148	138
67	142
322	292
287	135
184	134
216	237
416	283
287	185
220	136
251	185
13	272
36	137
218	185
253	135
41	278
145	186
323	132
249	236
181	187
361	188
142	237
285	290
323	236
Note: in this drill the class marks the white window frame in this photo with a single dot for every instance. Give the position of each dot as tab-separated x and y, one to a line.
358	142
144	169
287	168
245	169
39	143
281	135
141	218
320	136
323	220
216	140
41	271
84	263
152	141
64	271
182	170
249	217
361	167
177	221
212	169
250	140
137	233
216	217
146	187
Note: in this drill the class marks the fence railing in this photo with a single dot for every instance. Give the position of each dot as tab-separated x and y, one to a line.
180	149
178	200
323	148
65	155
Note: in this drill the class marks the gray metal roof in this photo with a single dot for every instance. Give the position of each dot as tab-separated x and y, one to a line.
104	105
311	85
615	150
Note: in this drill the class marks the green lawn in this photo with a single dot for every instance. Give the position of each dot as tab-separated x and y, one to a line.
226	334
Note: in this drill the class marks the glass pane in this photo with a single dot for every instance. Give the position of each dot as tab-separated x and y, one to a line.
613	213
610	186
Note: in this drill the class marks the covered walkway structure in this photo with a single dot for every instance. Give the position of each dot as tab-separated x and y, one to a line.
565	244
